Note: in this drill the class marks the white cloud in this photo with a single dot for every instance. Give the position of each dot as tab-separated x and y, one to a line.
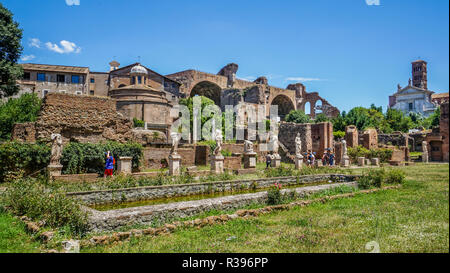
35	42
248	78
73	2
26	58
302	79
66	47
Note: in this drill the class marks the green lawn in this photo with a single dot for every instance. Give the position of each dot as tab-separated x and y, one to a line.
13	238
414	218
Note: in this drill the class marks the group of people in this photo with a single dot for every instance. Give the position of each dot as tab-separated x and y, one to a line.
328	158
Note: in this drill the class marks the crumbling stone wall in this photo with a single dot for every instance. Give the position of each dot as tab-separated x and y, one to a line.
314	137
82	119
351	136
153	156
370	139
24	132
395	139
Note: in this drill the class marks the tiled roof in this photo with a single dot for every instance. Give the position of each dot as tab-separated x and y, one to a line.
56	68
440	95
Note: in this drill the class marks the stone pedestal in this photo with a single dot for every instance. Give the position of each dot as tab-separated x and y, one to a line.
361	161
276	161
376	162
124	164
298	162
345	161
174	164
250	160
217	164
54	170
367	162
425	157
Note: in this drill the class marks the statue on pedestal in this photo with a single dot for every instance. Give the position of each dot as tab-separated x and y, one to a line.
56	149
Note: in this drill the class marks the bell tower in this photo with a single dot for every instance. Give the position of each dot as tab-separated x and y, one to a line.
419	74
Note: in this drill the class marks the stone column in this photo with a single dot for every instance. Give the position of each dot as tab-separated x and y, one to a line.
54	170
124	164
217	163
376	162
361	161
276	161
249	160
174	164
425	152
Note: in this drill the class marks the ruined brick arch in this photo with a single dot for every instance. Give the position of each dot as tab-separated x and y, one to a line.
285	105
208	89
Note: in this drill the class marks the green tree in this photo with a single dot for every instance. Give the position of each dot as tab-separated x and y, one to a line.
297	116
321	118
10	51
397	121
18	110
339	122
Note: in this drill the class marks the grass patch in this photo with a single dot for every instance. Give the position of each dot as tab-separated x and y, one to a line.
414	218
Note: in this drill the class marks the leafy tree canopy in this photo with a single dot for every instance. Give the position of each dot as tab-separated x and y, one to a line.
18	110
10	51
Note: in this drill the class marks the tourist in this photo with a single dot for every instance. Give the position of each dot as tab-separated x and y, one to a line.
109	165
326	158
331	157
268	160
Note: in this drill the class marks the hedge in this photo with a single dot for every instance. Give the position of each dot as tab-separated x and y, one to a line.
27	157
383	154
90	158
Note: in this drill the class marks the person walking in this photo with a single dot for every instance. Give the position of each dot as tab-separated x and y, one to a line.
109	165
268	160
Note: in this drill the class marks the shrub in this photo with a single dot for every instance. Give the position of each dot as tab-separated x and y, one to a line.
338	135
226	153
18	110
138	123
382	153
395	176
30	197
90	157
373	178
27	157
279	171
274	194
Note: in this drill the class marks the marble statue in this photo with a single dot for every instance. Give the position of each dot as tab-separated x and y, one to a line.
56	149
218	138
175	140
298	145
248	147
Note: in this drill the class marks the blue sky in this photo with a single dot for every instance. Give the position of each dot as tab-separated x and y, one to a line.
352	53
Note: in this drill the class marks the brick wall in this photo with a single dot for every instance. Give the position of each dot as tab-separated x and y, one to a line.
82	118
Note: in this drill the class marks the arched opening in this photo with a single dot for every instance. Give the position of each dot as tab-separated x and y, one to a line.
284	105
209	90
307	108
122	85
318	108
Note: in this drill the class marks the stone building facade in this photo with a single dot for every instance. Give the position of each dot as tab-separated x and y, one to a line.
415	97
149	96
